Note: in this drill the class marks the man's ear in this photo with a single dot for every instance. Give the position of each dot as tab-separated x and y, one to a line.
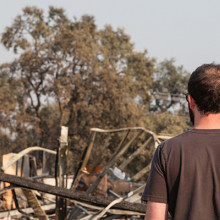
191	101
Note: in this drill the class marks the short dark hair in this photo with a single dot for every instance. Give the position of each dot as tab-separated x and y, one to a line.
204	87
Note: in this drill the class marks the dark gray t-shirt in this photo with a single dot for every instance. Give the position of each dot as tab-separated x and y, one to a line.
185	174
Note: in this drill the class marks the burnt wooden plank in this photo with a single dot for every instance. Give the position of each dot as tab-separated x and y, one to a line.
66	193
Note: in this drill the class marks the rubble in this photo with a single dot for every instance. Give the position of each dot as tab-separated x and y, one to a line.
93	192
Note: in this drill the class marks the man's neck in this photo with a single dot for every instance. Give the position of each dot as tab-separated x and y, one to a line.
210	121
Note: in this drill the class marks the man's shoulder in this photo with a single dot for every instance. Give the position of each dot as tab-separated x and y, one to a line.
177	142
192	137
178	139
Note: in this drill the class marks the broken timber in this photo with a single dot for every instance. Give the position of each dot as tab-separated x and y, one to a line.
61	174
77	196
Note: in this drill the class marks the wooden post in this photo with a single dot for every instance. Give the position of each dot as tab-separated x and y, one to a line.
61	178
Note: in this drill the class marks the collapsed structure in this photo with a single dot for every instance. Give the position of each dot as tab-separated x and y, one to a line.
93	192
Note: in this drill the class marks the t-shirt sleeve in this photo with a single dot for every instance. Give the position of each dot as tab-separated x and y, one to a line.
156	187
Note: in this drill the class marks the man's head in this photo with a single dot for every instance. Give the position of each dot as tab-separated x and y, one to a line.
204	88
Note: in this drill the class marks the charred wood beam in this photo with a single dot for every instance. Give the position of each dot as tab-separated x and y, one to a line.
135	154
74	195
141	173
116	156
84	161
35	204
155	137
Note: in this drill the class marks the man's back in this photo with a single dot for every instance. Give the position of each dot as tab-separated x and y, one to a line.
186	174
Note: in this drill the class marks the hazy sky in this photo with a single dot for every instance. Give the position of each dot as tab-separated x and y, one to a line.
185	30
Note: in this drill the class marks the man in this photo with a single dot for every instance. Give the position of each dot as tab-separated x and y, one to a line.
185	172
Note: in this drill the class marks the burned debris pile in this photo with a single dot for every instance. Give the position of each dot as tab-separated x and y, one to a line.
102	187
